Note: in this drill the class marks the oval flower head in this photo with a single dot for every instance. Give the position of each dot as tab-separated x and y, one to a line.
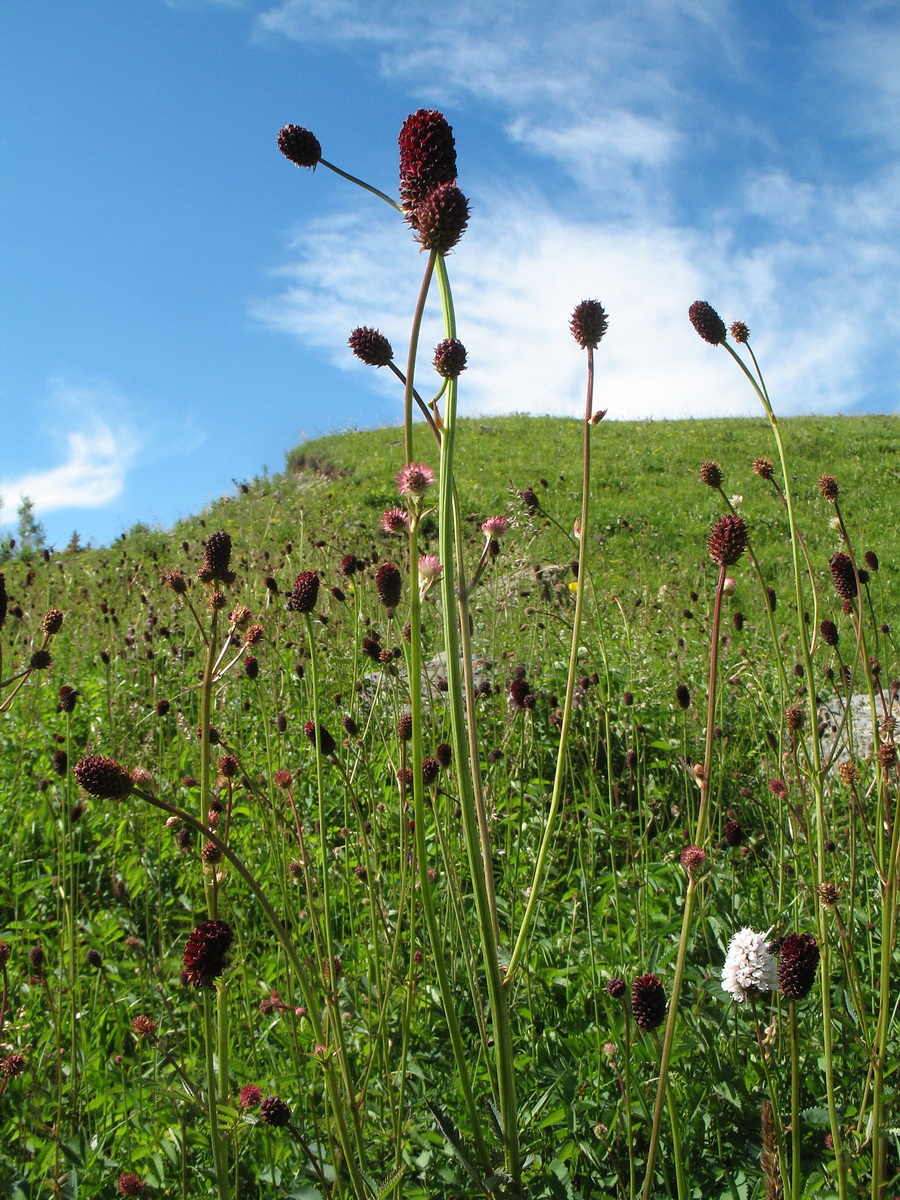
750	967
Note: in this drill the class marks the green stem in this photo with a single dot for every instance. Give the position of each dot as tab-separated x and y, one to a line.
825	963
795	1100
465	748
568	707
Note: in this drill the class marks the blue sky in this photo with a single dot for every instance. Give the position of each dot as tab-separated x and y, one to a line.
177	297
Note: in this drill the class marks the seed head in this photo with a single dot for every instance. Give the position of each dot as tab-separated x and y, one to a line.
304	593
371	346
797	965
739	332
588	324
843	575
870	556
444	754
616	988
130	1184
389	584
5	951
103	777
886	755
4	600
204	954
711	474
441	218
299	145
177	582
828	488
217	559
683	695
40	660
795	718
143	1027
728	540
450	358
275	1112
763	467
427	156
828	895
648	1002
52	621
12	1066
707	322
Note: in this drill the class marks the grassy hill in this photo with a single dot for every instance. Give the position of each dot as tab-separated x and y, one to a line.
265	781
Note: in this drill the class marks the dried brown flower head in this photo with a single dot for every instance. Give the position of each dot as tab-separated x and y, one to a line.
588	324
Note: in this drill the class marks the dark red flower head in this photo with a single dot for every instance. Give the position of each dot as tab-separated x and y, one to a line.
616	987
4	600
299	145
103	777
320	737
370	346
797	965
204	955
728	540
275	1112
588	324
304	593
389	584
441	218
648	1002
450	358
707	322
843	575
427	155
216	559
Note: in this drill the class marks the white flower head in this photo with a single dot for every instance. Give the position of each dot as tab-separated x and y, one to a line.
749	966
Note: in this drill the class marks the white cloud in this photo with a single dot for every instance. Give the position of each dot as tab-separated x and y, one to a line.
675	196
96	451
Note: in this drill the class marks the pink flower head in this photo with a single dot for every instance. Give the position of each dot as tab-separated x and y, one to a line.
495	527
429	567
394	520
414	479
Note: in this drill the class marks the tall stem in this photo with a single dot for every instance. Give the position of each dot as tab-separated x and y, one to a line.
568	707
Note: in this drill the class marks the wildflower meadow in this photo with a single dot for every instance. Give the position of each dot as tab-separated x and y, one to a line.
502	809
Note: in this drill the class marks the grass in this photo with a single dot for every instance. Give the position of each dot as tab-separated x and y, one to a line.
97	1099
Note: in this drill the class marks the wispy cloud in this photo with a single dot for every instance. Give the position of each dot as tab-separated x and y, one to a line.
95	447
